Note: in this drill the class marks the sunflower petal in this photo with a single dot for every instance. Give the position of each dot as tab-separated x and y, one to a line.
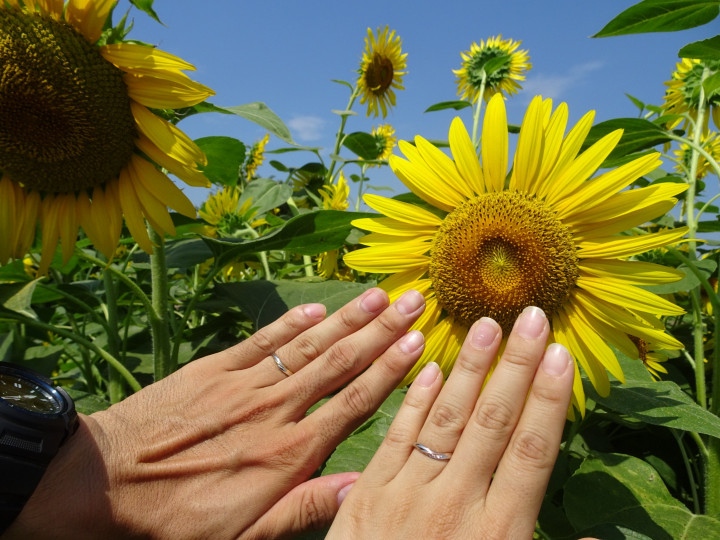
8	208
132	56
89	16
161	187
528	154
188	174
392	227
637	272
49	230
444	167
615	247
494	147
165	93
131	210
153	209
387	259
402	211
466	158
628	296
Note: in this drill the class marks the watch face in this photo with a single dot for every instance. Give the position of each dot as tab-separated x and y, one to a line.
27	394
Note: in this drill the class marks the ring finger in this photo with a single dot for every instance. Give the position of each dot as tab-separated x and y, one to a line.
452	409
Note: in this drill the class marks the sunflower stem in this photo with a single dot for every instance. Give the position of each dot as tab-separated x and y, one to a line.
159	316
116	391
307	259
340	136
476	113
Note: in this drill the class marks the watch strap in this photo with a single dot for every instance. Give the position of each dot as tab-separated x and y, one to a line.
20	477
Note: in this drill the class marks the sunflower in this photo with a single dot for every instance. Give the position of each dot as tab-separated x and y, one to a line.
385	140
334	197
710	142
683	93
652	356
79	145
226	215
256	157
478	243
381	71
498	63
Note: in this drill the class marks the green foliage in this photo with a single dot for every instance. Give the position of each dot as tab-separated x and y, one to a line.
707	49
225	157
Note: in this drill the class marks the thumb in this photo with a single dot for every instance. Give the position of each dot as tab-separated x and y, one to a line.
310	506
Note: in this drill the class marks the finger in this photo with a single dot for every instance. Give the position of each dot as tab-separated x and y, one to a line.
397	446
310	506
309	345
525	468
342	414
270	338
350	356
498	409
452	409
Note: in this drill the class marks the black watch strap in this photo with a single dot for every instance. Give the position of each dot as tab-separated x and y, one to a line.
20	477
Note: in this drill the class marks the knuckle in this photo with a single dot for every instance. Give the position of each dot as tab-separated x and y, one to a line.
386	325
495	416
521	358
533	449
316	511
358	400
261	340
307	346
345	320
342	357
448	417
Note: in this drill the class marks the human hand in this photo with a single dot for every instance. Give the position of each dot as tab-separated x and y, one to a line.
503	445
223	448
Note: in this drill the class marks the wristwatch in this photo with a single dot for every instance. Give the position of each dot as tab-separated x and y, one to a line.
35	419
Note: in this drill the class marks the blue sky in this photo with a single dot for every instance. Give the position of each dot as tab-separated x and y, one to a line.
285	53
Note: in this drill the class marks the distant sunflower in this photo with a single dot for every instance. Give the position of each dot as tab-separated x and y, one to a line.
226	215
385	140
710	142
480	244
381	71
683	93
257	154
334	197
497	61
79	144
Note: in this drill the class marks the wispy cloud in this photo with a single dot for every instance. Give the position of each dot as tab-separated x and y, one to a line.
555	86
307	128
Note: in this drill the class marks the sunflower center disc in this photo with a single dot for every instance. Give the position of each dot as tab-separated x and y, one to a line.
498	253
379	74
65	118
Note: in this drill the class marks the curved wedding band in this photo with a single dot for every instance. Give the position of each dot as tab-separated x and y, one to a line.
438	456
282	367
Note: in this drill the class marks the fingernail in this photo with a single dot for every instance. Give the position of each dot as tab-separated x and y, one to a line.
484	333
556	360
373	300
343	493
410	302
411	342
531	322
428	375
314	311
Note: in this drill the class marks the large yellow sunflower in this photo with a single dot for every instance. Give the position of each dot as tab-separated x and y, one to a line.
498	63
79	145
484	243
381	71
683	92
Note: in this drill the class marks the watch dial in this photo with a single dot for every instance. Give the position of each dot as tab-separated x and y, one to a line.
28	395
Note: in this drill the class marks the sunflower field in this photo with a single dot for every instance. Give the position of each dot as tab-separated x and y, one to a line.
112	278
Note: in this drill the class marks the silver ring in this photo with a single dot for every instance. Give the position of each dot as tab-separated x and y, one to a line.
282	367
438	456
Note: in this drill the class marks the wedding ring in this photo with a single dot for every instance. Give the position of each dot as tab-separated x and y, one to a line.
282	367
438	456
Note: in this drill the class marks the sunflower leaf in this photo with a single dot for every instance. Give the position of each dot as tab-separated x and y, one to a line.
457	105
266	194
638	134
661	403
146	6
661	16
262	115
307	234
264	301
17	297
627	491
363	144
225	156
707	49
355	452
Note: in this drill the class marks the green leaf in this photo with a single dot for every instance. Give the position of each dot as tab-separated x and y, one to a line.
709	226
690	281
661	403
711	84
146	6
639	104
17	297
626	491
707	49
266	194
355	452
307	234
262	115
87	403
265	301
661	16
638	134
225	156
362	144
186	253
443	105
